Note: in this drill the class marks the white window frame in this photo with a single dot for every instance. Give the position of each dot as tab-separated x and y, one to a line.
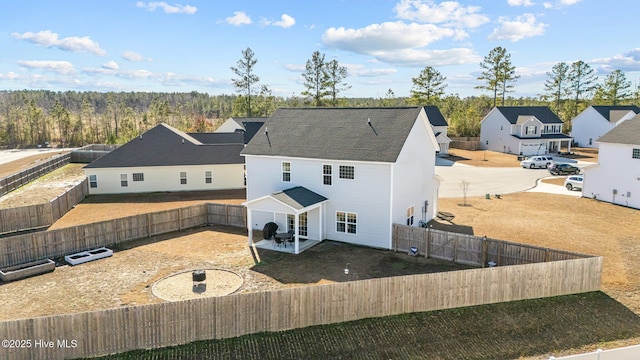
123	180
137	176
534	131
635	153
183	178
344	173
208	177
93	181
343	223
327	176
286	171
303	227
410	213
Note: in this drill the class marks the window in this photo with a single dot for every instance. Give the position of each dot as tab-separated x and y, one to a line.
302	225
183	177
636	154
346	222
138	176
410	215
207	177
93	181
123	180
286	171
530	130
347	172
327	170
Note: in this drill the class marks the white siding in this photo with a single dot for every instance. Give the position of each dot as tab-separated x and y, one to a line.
367	194
589	124
495	134
228	126
413	176
167	178
617	170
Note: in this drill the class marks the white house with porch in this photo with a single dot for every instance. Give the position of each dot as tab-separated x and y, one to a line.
440	127
596	121
343	174
523	130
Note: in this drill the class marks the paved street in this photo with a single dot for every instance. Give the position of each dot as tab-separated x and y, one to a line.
502	180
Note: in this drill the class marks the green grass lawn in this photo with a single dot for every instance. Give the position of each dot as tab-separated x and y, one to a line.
529	328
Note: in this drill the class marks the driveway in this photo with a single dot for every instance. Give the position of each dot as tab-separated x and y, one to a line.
503	180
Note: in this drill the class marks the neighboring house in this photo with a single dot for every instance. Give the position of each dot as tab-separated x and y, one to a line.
440	127
248	126
596	121
523	130
166	159
616	177
344	174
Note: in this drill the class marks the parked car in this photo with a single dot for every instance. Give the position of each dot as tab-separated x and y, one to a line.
573	182
563	169
540	162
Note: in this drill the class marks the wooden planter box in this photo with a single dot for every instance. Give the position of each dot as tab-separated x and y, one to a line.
86	256
22	271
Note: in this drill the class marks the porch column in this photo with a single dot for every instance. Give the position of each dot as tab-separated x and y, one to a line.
295	233
249	227
569	147
320	227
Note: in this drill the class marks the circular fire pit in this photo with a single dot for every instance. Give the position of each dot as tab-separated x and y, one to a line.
195	284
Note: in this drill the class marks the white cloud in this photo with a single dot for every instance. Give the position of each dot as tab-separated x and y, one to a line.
133	56
520	2
360	71
9	76
521	27
239	18
418	57
111	65
285	22
559	3
60	67
628	62
168	9
50	39
387	36
448	13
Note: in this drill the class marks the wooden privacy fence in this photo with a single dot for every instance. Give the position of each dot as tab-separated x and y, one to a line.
42	215
57	243
123	329
12	182
472	250
89	153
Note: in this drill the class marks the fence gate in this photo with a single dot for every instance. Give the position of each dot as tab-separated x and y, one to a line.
442	246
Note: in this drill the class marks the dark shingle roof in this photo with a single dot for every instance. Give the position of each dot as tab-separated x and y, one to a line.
628	132
244	120
298	197
605	111
218	138
542	113
250	130
435	116
166	146
335	133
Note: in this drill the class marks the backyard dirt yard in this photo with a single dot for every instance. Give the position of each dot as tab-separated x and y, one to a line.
15	166
484	158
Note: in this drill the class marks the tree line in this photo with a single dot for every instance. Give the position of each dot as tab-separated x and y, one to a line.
35	117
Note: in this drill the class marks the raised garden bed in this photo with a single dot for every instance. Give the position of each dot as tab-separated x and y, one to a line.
22	271
86	256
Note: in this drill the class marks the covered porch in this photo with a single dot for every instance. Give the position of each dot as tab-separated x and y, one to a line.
558	142
298	213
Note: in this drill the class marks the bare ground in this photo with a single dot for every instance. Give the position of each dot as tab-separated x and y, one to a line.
482	158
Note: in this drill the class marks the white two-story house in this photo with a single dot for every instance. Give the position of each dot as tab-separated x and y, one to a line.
596	121
523	130
344	174
616	177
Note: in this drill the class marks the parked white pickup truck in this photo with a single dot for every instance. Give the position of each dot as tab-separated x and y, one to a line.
540	162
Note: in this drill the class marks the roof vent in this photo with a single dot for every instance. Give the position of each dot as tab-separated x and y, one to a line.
140	136
183	140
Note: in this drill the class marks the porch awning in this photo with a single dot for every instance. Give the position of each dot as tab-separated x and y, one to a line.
297	198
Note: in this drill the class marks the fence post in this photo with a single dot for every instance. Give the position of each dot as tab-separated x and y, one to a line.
179	219
226	212
547	254
485	249
428	250
148	224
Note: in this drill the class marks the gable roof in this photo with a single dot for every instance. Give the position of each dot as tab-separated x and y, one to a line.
542	113
627	132
164	145
435	116
335	133
241	121
605	111
218	138
298	197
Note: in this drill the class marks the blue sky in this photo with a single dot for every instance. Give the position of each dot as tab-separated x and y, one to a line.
190	45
